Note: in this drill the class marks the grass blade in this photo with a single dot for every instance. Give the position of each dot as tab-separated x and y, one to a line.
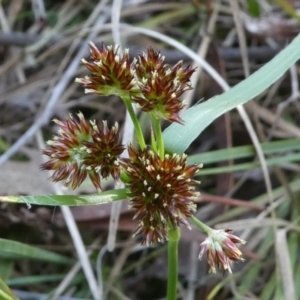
283	257
177	137
68	200
5	292
244	152
15	250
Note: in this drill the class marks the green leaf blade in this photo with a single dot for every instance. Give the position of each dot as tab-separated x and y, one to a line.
16	250
276	148
6	293
68	200
178	137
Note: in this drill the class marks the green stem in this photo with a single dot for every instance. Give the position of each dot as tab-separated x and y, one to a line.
136	124
203	227
158	135
174	235
153	142
124	178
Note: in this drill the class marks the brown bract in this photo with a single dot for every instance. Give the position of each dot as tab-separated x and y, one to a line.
162	192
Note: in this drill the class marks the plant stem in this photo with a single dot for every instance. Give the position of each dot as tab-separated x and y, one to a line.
158	135
136	124
153	142
203	227
124	178
174	235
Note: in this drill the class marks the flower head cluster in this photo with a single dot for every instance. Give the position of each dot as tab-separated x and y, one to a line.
148	81
83	149
160	186
111	74
221	250
161	86
162	192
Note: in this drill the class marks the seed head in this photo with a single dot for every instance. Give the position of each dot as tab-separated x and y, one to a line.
162	192
104	150
112	74
221	250
161	86
82	149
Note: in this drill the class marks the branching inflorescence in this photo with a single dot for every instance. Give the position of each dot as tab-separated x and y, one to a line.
160	186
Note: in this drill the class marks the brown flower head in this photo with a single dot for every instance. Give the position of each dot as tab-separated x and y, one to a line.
162	192
104	150
161	86
221	250
73	152
111	74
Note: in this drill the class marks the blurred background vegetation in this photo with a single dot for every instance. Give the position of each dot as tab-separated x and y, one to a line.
41	44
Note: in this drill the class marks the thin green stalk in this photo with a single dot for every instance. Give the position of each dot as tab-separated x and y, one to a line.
203	227
158	135
174	235
153	142
136	124
124	177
